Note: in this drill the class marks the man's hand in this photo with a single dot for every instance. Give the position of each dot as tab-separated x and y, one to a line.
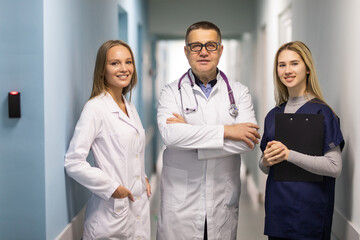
176	119
246	132
123	192
275	153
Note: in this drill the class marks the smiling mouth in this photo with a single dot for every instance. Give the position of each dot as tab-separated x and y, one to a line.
122	76
289	78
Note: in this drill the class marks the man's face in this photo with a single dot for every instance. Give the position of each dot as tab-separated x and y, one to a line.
203	63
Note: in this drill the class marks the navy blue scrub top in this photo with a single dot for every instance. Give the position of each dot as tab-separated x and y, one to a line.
301	210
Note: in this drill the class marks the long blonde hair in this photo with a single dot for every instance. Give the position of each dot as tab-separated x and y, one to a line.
312	83
99	84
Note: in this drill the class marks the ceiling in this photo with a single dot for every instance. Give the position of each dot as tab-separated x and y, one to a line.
170	18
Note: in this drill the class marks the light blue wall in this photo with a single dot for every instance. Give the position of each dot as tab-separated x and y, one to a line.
335	49
73	32
22	192
143	93
329	28
47	52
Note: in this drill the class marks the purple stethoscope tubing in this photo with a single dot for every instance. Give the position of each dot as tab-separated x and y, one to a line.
233	111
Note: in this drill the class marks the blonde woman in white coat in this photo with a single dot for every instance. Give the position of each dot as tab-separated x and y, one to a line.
119	204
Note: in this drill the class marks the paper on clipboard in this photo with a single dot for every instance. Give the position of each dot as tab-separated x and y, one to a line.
303	133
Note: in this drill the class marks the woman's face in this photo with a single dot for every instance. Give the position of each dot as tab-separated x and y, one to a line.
292	72
119	68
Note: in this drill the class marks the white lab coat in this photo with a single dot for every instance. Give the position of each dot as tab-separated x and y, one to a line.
201	170
118	144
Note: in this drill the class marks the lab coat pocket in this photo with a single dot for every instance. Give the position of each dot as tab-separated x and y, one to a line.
117	144
232	189
173	187
120	207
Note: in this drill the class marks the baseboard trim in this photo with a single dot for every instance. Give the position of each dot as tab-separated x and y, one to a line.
344	229
74	230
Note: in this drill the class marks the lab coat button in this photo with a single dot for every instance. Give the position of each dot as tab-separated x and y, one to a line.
138	177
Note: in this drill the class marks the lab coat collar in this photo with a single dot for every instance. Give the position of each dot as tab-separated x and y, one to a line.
193	78
219	79
197	88
114	108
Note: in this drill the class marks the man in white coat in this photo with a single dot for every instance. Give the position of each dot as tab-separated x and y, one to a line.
206	122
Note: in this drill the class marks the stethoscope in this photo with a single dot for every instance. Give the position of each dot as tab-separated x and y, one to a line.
233	110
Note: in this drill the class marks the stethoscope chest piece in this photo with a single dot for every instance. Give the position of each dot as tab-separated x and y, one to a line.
233	110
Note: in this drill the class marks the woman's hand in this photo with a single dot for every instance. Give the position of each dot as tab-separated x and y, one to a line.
275	153
148	187
176	119
123	192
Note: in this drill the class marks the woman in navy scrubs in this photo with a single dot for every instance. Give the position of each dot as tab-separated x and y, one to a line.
293	209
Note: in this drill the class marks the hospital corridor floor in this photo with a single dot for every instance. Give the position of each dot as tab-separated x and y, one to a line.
251	212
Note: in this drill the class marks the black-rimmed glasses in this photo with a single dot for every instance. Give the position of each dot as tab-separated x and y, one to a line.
197	47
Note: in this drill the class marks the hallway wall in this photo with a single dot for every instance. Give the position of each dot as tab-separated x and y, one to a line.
329	28
22	192
332	32
73	32
47	52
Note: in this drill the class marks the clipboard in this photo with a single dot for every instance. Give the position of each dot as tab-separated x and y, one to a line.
303	133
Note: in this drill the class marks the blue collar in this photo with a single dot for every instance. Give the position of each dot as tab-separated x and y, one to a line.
206	89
